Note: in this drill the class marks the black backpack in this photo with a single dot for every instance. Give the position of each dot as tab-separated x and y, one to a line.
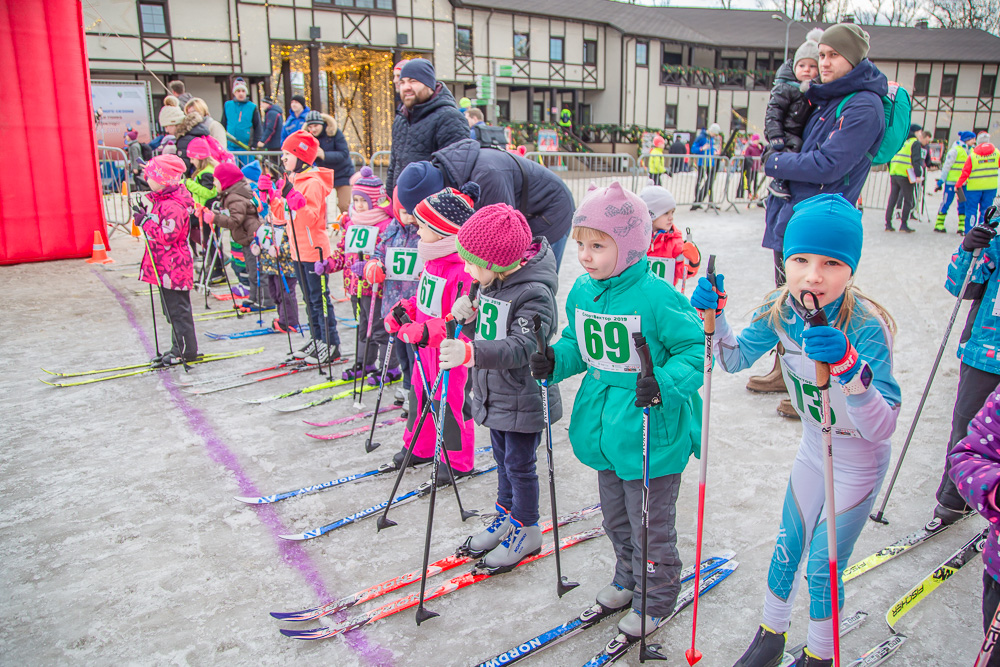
147	152
490	136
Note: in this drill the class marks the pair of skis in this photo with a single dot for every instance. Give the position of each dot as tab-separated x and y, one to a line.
138	369
360	429
250	333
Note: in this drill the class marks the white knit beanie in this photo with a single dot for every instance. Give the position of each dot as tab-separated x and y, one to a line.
982	138
809	48
658	200
171	116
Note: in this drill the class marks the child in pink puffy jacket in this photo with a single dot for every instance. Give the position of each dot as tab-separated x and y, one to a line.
167	262
439	218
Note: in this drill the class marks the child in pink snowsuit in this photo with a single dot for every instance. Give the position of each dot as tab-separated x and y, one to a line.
439	218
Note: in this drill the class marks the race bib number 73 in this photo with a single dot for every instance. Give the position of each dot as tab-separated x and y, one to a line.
491	323
606	341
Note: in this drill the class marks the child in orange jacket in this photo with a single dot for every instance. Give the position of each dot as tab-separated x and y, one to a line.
671	257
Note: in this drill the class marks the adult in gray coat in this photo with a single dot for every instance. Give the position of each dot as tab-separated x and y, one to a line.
428	119
546	202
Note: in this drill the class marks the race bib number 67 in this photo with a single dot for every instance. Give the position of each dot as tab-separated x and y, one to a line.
606	341
429	295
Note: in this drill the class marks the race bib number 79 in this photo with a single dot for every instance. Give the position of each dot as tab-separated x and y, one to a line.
606	341
361	238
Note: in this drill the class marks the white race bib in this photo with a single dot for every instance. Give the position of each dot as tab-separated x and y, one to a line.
361	239
806	400
663	267
429	295
491	323
606	341
402	264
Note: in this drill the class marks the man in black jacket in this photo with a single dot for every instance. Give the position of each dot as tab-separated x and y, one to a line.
546	202
270	136
428	119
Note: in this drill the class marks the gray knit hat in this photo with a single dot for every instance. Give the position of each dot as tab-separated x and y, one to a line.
313	118
658	200
847	39
809	48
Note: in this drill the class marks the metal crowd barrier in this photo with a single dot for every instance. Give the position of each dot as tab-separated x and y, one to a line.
579	170
379	162
705	182
116	182
745	182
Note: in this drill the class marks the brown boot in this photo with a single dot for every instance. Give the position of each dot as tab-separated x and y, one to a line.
772	383
786	410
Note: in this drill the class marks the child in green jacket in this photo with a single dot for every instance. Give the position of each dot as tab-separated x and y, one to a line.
618	296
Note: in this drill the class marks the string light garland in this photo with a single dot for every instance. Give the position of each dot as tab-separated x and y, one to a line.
688	69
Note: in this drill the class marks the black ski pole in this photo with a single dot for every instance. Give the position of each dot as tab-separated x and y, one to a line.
424	614
878	516
646	652
358	401
324	294
563	585
217	242
152	304
281	274
369	445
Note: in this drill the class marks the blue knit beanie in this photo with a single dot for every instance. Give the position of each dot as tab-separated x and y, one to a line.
965	135
825	225
419	69
417	182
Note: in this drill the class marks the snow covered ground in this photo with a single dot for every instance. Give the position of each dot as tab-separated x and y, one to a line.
121	542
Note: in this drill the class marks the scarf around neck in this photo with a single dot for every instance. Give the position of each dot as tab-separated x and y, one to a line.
437	249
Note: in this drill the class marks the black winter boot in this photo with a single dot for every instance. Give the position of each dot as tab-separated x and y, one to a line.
766	650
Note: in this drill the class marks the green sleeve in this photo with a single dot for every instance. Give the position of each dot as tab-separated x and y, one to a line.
569	361
200	193
680	332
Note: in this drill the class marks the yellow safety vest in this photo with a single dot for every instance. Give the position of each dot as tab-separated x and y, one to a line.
984	171
901	161
956	169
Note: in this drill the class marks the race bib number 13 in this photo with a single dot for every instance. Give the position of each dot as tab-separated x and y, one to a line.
402	264
429	295
362	239
491	323
606	341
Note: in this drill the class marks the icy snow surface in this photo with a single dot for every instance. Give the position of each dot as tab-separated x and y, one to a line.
121	542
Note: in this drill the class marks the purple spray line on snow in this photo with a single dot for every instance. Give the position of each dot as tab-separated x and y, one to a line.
292	553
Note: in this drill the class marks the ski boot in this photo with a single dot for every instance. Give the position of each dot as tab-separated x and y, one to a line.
779	188
476	546
948	516
400	397
444	477
631	624
398	457
807	659
324	354
766	650
519	543
772	383
391	375
307	350
358	371
614	598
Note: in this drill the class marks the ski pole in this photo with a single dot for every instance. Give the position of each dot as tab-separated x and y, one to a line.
369	445
424	614
260	305
989	642
693	655
878	516
359	403
324	295
156	276
217	242
646	652
563	585
817	317
359	363
281	272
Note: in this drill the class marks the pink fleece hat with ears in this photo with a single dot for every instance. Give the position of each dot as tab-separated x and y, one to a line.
623	216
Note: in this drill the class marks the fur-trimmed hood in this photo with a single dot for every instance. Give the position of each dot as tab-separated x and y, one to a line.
331	124
191	121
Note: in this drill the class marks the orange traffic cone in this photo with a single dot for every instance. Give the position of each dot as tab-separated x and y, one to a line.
134	230
100	255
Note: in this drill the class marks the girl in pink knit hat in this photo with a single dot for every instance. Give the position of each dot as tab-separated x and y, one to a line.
518	280
620	296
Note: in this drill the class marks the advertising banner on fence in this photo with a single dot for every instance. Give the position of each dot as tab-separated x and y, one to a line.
118	107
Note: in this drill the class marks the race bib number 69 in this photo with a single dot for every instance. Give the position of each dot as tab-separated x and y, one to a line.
606	341
362	239
663	267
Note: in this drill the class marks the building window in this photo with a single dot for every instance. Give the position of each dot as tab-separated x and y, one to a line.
586	114
358	4
153	18
670	117
739	121
987	85
948	84
922	85
556	49
463	40
590	52
738	80
503	111
941	134
521	45
702	119
673	58
537	112
642	54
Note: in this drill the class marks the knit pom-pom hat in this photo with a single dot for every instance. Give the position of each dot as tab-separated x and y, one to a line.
623	216
165	169
494	238
369	186
809	48
445	212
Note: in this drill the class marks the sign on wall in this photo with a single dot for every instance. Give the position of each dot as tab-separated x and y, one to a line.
118	107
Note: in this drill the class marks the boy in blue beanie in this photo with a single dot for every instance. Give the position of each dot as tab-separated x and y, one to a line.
822	248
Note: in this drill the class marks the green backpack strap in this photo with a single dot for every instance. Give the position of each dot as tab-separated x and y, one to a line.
840	107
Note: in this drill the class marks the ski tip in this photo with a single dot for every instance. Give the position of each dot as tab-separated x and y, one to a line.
313	633
50	372
294	538
317	436
249	501
51	384
295	616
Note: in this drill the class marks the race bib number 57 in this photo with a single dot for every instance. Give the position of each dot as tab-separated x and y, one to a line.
606	341
402	264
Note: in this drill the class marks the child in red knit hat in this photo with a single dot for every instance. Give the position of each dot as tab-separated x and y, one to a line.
518	280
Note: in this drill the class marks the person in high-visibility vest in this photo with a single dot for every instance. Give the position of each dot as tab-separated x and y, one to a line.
951	169
909	157
657	165
979	176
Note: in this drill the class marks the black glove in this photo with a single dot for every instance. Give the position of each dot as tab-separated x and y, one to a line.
542	365
207	180
647	392
979	236
286	188
777	145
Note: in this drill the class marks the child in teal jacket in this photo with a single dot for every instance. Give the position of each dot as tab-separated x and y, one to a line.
620	296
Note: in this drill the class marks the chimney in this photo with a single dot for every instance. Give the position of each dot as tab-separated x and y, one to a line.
847	18
922	24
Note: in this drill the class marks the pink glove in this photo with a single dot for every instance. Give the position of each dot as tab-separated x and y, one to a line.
392	325
207	216
295	200
265	185
374	272
330	266
426	334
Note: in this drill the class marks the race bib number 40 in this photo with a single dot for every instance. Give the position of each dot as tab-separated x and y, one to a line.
402	264
663	267
491	323
606	341
429	295
361	238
